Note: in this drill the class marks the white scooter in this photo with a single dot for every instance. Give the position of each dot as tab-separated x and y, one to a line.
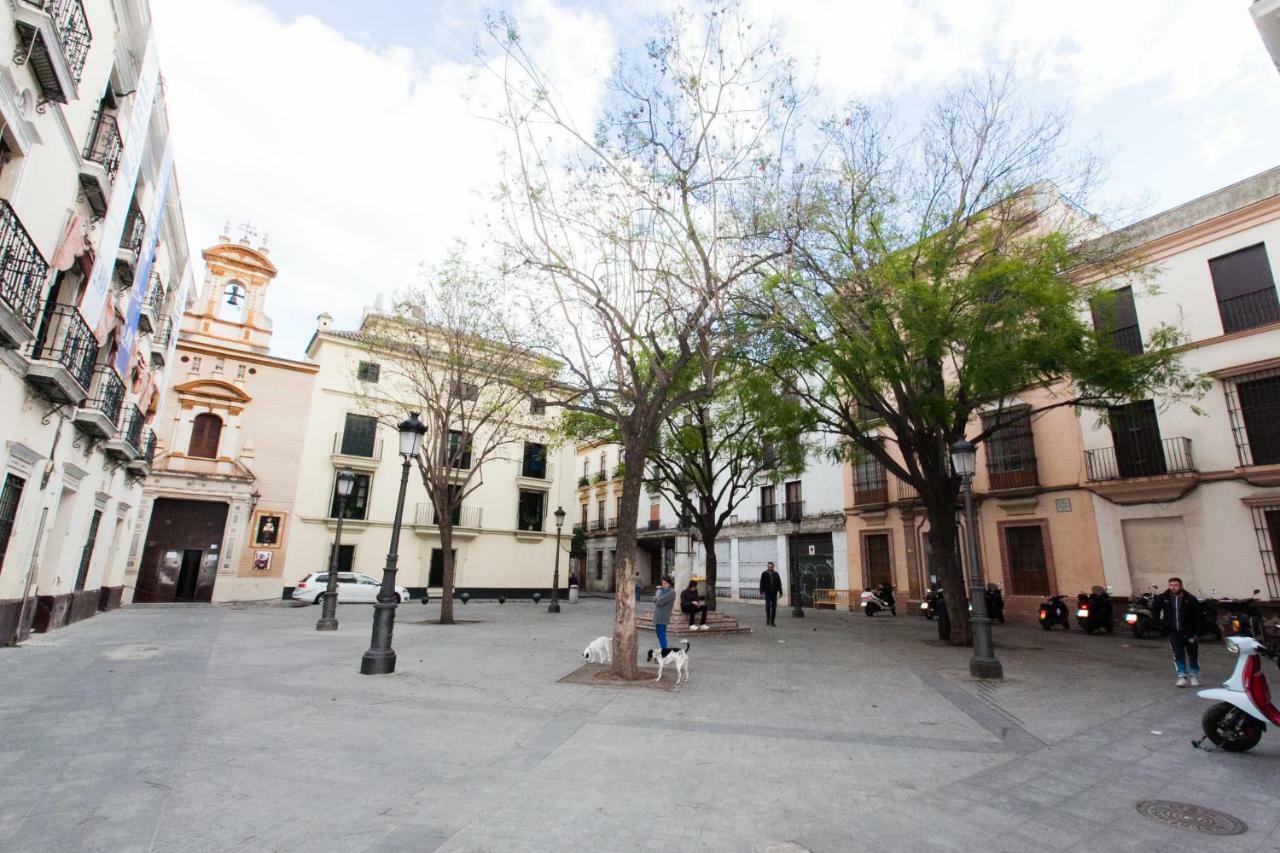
1240	716
873	601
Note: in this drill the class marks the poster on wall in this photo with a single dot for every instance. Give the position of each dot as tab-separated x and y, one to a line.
262	561
268	530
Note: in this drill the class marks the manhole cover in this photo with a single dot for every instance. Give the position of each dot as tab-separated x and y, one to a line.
1193	817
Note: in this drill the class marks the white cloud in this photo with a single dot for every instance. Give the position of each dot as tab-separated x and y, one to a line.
360	162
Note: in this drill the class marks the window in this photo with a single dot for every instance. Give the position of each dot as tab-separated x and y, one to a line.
240	370
1028	564
584	516
346	559
599	565
870	481
795	505
535	461
357	503
9	498
537	407
768	510
1114	314
768	455
875	560
436	576
86	555
206	429
655	516
531	511
586	467
1011	449
1266	523
458	450
195	364
219	364
1138	449
368	371
1245	289
1254	403
600	516
358	435
465	391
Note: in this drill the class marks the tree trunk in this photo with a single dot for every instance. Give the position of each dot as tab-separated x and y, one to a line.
709	546
624	570
944	542
446	556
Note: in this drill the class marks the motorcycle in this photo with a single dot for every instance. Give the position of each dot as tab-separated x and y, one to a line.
879	599
1244	707
1209	629
1243	618
1139	616
937	609
995	603
1054	612
1093	610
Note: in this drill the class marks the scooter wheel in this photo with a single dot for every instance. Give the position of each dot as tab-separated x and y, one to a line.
1138	633
1048	626
1230	728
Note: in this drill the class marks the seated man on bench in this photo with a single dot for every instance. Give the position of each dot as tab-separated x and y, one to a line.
691	605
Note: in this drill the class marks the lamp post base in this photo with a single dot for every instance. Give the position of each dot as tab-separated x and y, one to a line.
327	624
378	662
989	668
553	607
797	612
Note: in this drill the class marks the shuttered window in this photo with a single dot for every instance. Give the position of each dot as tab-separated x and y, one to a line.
205	432
9	499
1245	288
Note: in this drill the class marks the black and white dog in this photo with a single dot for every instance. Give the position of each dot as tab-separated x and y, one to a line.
680	657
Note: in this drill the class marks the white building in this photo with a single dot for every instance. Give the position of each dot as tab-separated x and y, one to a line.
797	524
505	534
1181	492
1266	15
93	269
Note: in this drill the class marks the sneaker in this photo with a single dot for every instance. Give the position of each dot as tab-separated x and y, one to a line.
704	627
1195	681
1181	682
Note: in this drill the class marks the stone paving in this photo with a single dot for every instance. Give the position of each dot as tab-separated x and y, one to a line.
202	728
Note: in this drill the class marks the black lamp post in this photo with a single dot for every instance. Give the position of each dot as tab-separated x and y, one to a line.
328	620
554	606
964	458
380	659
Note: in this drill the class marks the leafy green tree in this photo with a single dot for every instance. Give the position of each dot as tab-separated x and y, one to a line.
938	277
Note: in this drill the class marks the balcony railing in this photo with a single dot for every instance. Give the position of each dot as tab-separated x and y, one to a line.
598	524
357	444
767	512
464	516
107	393
134	228
155	294
161	337
793	510
1249	310
149	452
73	31
1143	459
612	524
53	64
1024	477
104	145
655	524
584	481
870	485
23	271
131	427
65	338
904	491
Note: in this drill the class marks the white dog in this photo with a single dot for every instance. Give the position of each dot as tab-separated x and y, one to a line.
600	651
680	657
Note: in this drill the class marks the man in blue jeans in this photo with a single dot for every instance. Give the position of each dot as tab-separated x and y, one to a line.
770	588
1179	612
663	600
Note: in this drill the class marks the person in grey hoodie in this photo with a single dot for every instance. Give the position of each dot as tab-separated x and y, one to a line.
663	600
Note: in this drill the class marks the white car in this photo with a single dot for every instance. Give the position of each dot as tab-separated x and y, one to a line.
352	587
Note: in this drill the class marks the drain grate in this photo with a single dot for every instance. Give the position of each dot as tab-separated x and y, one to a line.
1192	817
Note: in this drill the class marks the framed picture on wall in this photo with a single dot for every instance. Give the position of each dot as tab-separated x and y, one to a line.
268	530
262	561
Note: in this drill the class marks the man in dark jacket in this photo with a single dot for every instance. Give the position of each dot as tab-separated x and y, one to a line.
691	605
1179	612
770	588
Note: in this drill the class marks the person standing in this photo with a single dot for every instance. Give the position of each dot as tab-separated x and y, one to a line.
663	600
691	605
1179	612
771	589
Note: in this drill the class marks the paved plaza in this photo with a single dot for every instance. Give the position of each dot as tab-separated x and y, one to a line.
210	728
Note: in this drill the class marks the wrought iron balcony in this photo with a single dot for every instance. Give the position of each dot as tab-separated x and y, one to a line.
54	39
767	512
127	443
1249	310
1140	459
101	161
464	516
870	484
597	525
152	305
1025	476
23	272
160	340
101	412
142	465
904	491
131	243
62	356
793	511
612	524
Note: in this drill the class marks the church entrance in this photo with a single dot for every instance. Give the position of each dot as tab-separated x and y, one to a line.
180	554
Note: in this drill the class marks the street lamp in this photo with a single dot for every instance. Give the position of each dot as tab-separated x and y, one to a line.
329	613
554	606
380	659
964	458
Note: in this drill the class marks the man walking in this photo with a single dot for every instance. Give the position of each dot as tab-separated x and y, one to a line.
770	588
1179	612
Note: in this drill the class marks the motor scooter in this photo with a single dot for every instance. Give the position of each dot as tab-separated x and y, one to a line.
873	601
1054	612
1244	707
937	604
1139	616
1093	610
1209	629
995	603
1243	618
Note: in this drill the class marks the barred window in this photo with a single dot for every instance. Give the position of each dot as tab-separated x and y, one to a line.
1253	402
1028	563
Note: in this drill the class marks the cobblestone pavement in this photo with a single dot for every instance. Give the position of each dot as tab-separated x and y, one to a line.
202	728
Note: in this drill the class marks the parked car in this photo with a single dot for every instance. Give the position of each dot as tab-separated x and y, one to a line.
353	587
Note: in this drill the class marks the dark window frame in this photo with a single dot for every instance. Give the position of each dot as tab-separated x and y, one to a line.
1116	315
368	371
346	559
1029	569
525	520
1010	449
10	500
1245	288
208	438
357	508
359	433
456	451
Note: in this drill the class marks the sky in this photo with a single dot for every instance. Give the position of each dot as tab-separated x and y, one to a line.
351	134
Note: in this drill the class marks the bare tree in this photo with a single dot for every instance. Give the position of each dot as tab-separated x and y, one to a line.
454	354
639	227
